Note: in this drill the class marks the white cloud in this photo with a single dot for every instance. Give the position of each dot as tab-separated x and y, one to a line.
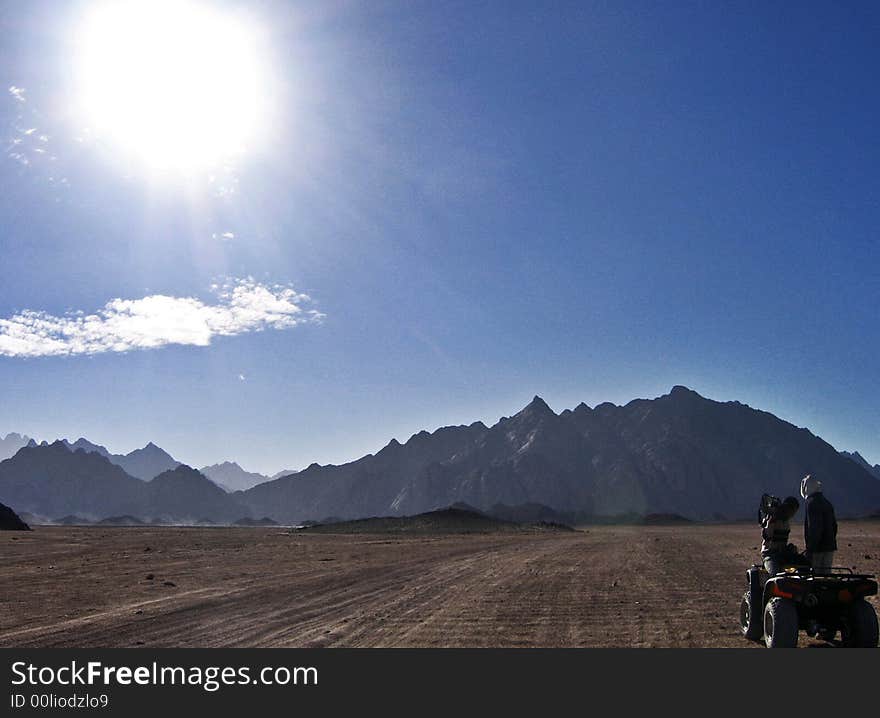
17	93
123	325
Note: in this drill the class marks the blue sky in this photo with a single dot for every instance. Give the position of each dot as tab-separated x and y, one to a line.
483	201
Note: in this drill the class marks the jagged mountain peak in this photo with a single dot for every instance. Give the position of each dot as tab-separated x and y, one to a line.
392	445
146	463
419	437
537	407
680	391
538	403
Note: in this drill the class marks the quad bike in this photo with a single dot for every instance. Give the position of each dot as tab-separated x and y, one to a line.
775	608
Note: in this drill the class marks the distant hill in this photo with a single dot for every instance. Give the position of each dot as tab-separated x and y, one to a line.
678	454
532	513
120	521
71	520
184	493
230	476
255	522
448	520
51	480
10	521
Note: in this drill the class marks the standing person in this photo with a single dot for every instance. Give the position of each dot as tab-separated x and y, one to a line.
776	516
820	526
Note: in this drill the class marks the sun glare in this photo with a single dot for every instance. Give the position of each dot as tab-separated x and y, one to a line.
180	85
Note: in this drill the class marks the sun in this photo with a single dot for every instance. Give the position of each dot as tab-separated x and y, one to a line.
180	85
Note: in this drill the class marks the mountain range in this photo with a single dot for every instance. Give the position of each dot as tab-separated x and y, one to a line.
148	462
679	454
143	464
53	481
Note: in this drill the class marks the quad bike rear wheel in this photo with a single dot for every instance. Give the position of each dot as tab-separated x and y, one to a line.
750	618
860	628
780	624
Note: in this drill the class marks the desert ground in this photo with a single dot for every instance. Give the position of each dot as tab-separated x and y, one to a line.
268	587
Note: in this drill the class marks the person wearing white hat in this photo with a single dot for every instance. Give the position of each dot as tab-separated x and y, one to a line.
820	526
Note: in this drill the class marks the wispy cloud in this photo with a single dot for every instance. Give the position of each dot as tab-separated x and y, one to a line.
155	321
28	144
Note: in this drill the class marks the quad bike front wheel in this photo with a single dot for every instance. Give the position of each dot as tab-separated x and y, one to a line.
780	624
750	617
860	628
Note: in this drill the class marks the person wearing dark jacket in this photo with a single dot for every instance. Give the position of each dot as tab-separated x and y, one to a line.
776	552
820	526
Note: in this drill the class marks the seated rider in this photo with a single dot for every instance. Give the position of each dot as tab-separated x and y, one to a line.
776	551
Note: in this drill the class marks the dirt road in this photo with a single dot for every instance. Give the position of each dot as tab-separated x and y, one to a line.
605	586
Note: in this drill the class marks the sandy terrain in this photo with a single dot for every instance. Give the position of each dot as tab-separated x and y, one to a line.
603	586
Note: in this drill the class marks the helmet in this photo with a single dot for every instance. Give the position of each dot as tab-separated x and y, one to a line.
810	485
